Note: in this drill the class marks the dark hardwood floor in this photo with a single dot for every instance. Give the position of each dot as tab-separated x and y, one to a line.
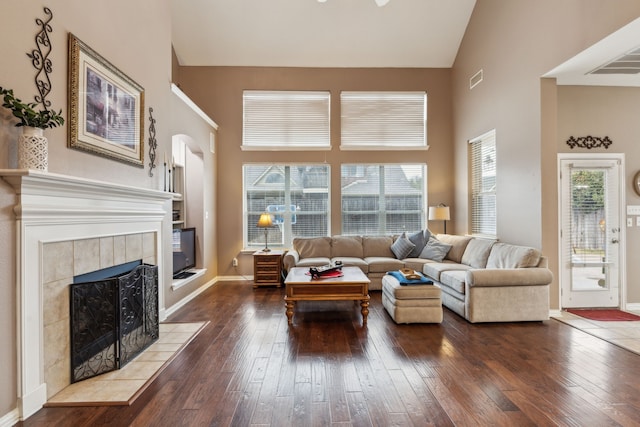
249	368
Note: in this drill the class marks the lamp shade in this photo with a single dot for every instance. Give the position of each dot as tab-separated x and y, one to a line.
265	221
439	212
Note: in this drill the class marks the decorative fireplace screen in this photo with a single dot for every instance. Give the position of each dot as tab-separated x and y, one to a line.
112	321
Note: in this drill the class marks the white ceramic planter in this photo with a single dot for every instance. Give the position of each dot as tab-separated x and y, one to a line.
33	150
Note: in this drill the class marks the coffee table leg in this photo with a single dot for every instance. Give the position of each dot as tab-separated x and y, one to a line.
289	304
365	310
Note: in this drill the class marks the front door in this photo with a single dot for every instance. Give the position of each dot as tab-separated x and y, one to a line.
590	232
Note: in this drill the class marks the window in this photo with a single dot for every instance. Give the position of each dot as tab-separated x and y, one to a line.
285	120
383	199
383	120
483	185
296	196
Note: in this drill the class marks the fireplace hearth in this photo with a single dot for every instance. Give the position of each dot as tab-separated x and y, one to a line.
112	321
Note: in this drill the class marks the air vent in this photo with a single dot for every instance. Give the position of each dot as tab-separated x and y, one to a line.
475	79
629	63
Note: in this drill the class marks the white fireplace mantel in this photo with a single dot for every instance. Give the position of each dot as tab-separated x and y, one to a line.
56	208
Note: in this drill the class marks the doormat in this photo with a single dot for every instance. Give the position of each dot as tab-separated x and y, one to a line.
604	314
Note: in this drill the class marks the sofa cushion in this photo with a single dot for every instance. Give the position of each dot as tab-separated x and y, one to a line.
435	269
435	250
352	262
346	246
505	255
477	252
377	246
313	262
419	239
454	279
458	245
312	247
383	264
402	246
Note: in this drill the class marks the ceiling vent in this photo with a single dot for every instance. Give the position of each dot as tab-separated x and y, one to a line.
629	63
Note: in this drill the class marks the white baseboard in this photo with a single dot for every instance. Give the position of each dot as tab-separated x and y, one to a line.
10	419
235	278
177	306
633	306
555	313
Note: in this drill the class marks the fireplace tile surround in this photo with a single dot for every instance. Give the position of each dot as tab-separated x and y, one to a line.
67	226
61	262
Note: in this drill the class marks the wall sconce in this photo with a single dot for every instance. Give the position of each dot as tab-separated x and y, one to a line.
440	213
265	222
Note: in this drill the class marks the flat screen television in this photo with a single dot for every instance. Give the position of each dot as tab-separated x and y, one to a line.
184	252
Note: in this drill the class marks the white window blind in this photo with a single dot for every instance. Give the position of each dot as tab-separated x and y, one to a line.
383	120
296	196
383	199
483	185
286	120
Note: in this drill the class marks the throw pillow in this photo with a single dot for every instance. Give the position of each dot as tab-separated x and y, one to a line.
419	239
402	246
435	250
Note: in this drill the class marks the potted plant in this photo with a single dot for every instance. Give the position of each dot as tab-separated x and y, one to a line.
32	146
28	114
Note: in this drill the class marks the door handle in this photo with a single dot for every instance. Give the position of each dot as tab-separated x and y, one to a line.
615	241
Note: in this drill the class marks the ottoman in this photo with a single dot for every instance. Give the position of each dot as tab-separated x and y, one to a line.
411	303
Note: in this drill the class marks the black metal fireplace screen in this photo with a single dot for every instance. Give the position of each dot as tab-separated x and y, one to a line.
112	321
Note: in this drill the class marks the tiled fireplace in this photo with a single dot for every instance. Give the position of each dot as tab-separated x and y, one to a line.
65	227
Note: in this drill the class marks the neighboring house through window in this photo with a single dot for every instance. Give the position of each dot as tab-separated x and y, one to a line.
296	196
383	199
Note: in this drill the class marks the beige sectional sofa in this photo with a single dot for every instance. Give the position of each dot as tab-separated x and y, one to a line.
481	280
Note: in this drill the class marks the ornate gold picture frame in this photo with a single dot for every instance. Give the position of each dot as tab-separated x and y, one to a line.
106	107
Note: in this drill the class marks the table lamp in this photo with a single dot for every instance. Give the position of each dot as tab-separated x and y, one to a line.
265	222
440	213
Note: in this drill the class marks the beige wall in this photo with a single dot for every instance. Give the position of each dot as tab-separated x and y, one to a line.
135	37
612	112
515	43
219	92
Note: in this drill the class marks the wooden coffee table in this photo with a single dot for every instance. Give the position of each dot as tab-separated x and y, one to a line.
352	286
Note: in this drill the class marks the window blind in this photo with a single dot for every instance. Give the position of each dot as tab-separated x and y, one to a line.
286	119
382	199
296	197
483	185
384	120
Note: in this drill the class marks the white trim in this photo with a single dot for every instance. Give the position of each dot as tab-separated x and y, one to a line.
57	208
11	418
235	278
622	215
178	283
177	306
382	148
184	98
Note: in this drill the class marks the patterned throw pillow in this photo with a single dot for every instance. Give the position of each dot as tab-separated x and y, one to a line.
419	238
402	246
435	250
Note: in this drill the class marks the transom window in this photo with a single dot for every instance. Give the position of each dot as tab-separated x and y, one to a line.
383	120
285	120
296	196
383	199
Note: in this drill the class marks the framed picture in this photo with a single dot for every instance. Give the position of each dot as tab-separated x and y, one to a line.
106	107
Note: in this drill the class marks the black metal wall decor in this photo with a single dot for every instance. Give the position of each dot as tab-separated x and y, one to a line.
153	144
40	59
589	142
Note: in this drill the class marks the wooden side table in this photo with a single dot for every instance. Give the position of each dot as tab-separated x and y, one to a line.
267	268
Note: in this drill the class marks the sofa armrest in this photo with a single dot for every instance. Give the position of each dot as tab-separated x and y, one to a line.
489	277
290	259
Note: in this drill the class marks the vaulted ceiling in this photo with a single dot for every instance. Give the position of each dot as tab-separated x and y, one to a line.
310	33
